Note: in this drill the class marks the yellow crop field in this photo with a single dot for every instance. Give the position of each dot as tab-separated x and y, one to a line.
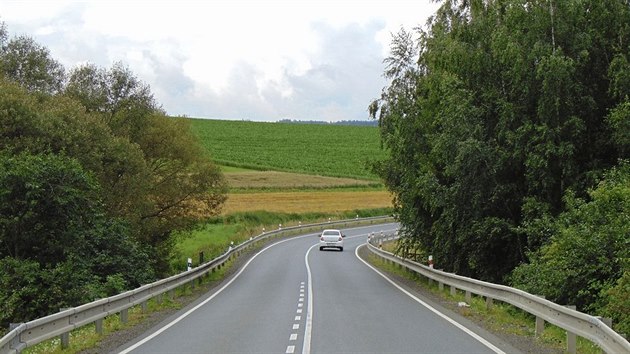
307	201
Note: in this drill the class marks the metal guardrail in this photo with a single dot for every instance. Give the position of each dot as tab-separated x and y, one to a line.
60	324
574	322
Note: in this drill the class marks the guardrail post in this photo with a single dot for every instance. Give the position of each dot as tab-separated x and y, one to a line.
440	284
124	315
99	326
488	302
571	337
468	296
144	306
607	321
15	342
540	322
453	290
65	337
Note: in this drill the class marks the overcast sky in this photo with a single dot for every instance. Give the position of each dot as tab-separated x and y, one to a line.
253	60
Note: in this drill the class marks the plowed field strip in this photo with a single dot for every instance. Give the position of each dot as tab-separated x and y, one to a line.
275	179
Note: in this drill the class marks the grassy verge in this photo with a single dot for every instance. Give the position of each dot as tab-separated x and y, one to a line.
214	237
499	318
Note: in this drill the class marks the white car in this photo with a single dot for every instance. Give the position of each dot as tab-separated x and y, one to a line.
331	239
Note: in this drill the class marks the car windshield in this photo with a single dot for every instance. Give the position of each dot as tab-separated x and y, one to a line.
331	233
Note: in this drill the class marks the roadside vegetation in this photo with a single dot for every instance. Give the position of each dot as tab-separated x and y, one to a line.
507	130
101	192
95	180
500	318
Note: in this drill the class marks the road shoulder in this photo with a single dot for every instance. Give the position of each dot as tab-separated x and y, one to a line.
510	343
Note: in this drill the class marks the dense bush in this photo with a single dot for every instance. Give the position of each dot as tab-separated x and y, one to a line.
57	248
499	119
587	261
95	180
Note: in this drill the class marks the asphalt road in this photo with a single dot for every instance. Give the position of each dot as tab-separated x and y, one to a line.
293	298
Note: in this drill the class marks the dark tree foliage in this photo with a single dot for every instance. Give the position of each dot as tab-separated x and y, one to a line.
493	113
587	261
95	180
57	249
178	185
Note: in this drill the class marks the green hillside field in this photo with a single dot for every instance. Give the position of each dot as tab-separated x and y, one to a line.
320	149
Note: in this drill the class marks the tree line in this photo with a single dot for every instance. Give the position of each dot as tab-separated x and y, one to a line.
95	182
507	124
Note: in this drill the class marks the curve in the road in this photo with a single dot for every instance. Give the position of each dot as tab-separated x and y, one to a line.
337	278
431	308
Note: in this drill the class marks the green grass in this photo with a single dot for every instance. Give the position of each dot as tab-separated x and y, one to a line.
328	150
86	337
214	237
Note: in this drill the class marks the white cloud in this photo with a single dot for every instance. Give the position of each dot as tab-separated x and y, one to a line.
234	59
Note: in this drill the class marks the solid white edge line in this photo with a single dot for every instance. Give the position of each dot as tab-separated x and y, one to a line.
450	320
306	349
185	314
308	325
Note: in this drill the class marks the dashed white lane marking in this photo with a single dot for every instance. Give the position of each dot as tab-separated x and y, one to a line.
185	314
296	326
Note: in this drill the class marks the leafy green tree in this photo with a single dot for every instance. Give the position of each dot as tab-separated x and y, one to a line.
45	203
4	35
181	186
60	126
110	91
93	183
25	61
492	114
617	303
151	170
57	248
28	290
589	252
